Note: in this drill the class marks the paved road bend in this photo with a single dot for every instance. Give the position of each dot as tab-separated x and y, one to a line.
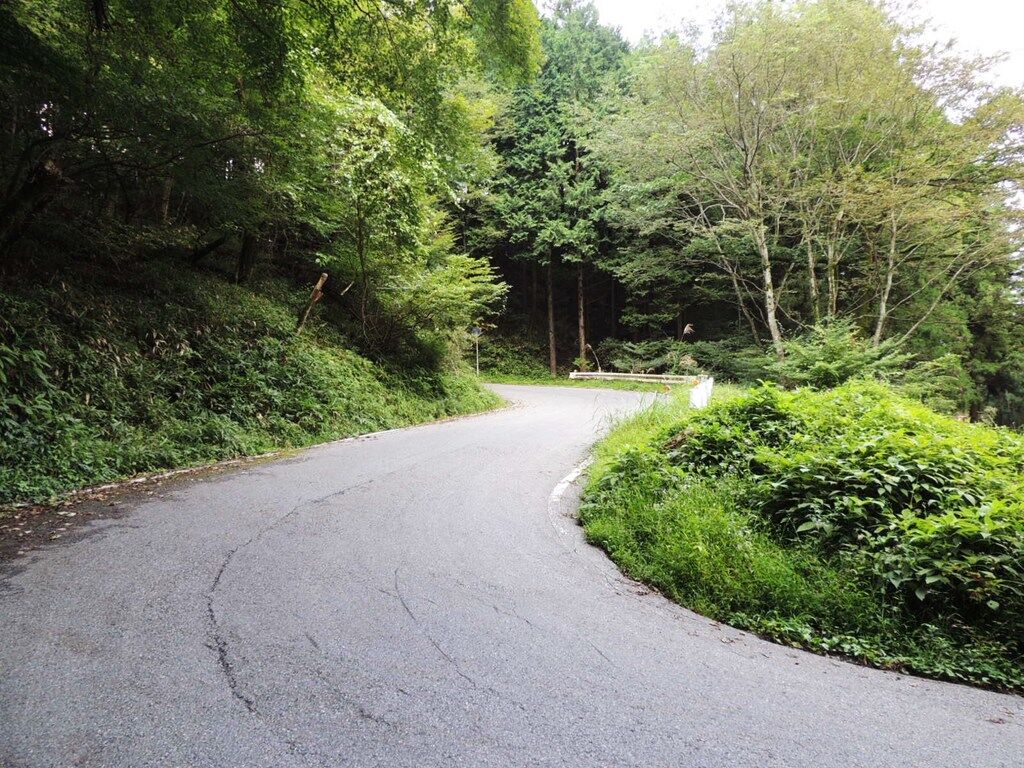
416	599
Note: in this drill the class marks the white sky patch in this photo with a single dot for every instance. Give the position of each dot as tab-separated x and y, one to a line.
986	27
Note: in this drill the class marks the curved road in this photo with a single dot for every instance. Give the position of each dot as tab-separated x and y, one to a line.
417	598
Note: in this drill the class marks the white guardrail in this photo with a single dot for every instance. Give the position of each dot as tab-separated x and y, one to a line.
700	394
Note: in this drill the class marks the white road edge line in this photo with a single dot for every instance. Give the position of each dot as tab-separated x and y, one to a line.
565	521
568	480
556	513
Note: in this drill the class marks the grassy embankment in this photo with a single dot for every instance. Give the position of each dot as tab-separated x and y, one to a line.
504	360
157	366
565	381
851	521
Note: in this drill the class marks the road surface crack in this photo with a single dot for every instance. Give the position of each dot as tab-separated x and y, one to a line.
220	643
601	653
448	657
444	654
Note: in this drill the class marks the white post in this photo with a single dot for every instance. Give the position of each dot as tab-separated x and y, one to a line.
477	332
700	395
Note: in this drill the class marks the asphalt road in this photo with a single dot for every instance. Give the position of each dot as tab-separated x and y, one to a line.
417	598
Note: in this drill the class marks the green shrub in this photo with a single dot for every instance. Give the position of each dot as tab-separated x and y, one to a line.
512	356
853	520
832	353
650	356
966	563
834	489
689	539
727	359
731	359
943	384
729	436
827	355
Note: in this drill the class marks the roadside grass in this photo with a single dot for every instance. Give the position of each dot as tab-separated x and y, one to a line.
509	360
107	376
548	381
644	426
714	509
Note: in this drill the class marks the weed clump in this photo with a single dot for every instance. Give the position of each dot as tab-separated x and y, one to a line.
850	520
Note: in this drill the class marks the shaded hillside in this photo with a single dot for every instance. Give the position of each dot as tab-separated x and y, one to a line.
107	373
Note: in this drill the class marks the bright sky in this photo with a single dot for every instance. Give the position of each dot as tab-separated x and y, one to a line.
979	26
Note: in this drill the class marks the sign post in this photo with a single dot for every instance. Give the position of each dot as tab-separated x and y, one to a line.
476	331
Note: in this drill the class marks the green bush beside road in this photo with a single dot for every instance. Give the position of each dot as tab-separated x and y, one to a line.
851	521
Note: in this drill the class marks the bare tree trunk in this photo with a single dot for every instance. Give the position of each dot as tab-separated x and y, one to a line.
42	185
534	298
279	254
812	281
931	308
247	254
165	200
364	282
770	306
109	204
883	299
832	264
743	305
315	296
198	254
552	350
581	317
100	15
730	270
614	315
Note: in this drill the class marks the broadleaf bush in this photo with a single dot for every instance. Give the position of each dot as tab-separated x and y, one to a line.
832	353
916	516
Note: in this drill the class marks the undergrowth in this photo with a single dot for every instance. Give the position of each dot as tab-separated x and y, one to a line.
508	360
104	376
851	521
565	381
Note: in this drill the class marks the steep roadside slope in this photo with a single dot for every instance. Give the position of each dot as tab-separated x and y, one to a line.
106	373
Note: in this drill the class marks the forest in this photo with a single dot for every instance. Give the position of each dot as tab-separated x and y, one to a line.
806	181
236	227
175	176
805	184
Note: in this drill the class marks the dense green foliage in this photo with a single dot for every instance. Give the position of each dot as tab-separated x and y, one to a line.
333	134
105	377
505	360
143	142
831	354
512	357
850	520
807	165
545	209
